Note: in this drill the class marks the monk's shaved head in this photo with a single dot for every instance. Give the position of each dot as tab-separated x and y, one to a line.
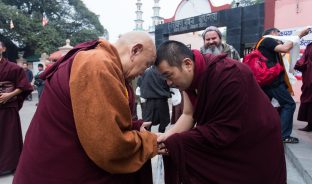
137	51
135	37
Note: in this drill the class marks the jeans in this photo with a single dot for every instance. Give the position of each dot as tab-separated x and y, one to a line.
287	107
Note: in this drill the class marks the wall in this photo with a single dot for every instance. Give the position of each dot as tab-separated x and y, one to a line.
194	39
292	13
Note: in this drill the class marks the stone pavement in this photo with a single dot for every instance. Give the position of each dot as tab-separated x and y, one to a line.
298	156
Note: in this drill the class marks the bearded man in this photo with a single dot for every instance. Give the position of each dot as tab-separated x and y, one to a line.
213	44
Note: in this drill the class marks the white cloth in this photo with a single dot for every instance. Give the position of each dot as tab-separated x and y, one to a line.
292	78
176	97
275	103
158	173
138	93
294	51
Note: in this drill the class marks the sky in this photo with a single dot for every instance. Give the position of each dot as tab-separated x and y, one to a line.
118	16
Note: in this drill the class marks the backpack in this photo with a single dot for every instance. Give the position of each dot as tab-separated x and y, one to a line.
38	81
257	63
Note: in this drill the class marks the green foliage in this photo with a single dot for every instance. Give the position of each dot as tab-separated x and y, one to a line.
68	19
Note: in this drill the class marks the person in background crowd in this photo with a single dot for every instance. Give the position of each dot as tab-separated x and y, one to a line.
156	92
213	44
304	65
39	83
30	77
14	88
280	88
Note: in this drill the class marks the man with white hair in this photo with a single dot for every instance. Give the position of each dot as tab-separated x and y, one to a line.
213	44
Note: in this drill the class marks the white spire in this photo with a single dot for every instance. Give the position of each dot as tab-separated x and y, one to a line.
156	18
139	21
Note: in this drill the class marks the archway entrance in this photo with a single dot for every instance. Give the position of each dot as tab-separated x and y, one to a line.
244	26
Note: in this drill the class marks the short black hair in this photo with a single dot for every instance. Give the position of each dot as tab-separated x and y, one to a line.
173	52
40	65
270	30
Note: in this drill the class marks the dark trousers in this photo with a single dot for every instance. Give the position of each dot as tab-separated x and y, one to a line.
40	89
157	111
287	109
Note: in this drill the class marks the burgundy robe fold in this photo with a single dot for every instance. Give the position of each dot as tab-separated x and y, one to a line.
304	65
237	138
11	140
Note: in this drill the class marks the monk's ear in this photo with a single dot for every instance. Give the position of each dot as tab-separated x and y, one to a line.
188	64
137	49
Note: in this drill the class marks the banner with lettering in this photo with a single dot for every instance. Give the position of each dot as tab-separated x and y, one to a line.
294	31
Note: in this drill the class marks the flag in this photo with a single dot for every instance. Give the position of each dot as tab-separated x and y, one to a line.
11	24
44	20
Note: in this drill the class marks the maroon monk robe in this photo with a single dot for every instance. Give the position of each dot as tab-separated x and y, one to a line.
304	65
77	167
237	138
11	140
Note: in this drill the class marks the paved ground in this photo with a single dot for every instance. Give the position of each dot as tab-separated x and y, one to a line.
28	111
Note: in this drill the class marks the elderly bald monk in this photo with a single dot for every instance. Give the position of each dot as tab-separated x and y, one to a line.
82	130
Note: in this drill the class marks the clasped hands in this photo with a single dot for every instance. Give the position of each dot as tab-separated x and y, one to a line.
161	137
161	147
4	97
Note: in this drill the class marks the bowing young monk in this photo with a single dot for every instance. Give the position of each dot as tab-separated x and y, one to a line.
82	130
237	137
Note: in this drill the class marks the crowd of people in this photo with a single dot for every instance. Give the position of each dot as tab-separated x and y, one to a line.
85	129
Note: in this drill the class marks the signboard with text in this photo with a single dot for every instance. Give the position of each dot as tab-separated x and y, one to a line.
294	31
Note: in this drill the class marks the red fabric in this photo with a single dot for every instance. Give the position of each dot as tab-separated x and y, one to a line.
264	75
304	65
238	135
136	124
199	68
11	139
10	71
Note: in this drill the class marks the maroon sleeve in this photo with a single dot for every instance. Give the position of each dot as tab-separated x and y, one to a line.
301	65
136	124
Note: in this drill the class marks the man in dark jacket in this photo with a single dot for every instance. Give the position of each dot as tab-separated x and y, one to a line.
156	92
29	76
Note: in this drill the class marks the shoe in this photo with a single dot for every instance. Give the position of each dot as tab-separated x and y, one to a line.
307	128
292	140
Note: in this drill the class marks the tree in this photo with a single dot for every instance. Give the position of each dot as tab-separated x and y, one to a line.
68	19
